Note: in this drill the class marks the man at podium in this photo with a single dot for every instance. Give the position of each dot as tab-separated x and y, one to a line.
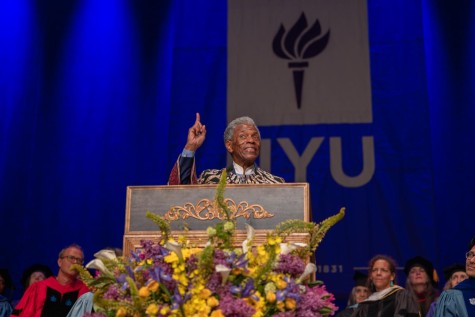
241	139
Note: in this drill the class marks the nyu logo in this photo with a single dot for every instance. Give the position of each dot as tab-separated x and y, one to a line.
298	45
301	161
330	83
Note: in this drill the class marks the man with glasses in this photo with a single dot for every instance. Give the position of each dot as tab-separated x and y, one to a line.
460	300
54	296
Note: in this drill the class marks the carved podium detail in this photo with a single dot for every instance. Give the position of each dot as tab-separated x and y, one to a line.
206	209
191	209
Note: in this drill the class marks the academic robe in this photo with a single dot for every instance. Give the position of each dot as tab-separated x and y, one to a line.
5	307
458	301
392	302
49	298
184	172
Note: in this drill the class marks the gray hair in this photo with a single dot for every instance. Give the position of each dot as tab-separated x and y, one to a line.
74	245
229	132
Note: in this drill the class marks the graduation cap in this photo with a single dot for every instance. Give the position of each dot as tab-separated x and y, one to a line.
360	278
425	264
472	243
450	270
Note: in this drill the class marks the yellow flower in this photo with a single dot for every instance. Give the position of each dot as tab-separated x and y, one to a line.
290	303
281	284
121	312
164	310
171	257
182	239
212	302
144	292
205	293
270	297
153	286
258	302
272	240
152	309
217	313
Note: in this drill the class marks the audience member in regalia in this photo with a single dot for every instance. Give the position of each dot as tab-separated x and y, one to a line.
55	295
460	300
32	274
388	299
6	289
242	140
359	293
453	274
422	282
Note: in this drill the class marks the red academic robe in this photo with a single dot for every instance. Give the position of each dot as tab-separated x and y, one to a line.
49	298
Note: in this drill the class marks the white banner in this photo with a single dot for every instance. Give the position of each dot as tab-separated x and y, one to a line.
298	62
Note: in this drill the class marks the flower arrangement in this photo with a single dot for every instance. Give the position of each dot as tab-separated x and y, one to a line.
173	278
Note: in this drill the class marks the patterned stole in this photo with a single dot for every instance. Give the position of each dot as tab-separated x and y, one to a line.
259	177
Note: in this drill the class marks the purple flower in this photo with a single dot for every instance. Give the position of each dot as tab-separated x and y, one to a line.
113	292
191	263
220	258
290	264
248	288
235	307
314	300
121	278
214	281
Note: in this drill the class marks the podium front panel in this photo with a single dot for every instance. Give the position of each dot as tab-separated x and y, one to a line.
261	206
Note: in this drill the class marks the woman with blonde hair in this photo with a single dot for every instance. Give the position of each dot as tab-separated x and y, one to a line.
421	281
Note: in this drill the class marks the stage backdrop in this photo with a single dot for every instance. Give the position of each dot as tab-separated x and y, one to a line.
371	102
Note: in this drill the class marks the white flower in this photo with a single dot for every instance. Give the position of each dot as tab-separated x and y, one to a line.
309	269
286	248
97	264
250	236
174	247
224	270
106	254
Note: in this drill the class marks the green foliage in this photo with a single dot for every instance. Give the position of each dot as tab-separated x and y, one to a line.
316	231
83	273
163	225
219	197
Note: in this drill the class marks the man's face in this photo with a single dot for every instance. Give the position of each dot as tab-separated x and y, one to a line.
245	145
71	256
470	263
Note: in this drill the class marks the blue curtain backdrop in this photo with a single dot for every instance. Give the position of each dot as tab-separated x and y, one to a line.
98	95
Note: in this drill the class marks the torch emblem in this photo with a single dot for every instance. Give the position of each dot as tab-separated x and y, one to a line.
297	45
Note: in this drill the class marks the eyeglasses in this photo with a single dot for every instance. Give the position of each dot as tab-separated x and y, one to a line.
469	255
73	259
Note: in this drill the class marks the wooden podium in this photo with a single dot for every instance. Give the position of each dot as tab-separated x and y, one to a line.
191	210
